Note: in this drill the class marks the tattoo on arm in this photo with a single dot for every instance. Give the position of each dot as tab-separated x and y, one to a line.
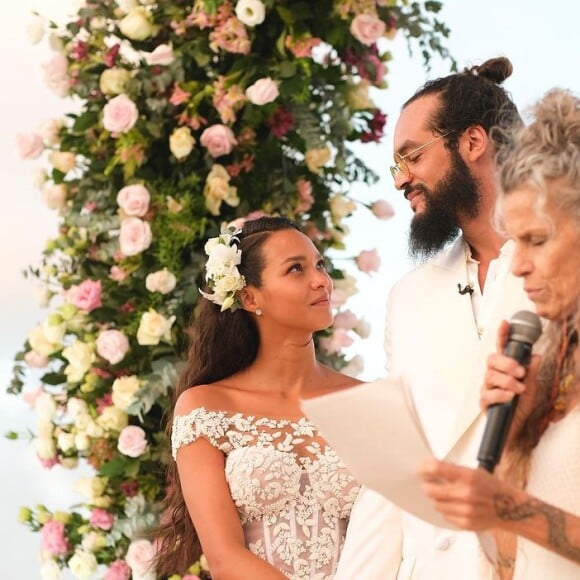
508	509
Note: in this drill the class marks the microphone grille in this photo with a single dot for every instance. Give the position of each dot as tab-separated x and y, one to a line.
525	326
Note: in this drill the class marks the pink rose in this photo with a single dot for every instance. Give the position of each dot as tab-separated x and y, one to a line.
140	556
135	236
29	146
112	345
117	274
86	296
55	74
134	200
334	343
120	114
218	140
338	298
132	441
35	360
368	261
382	209
118	570
162	55
101	518
346	319
305	199
263	91
53	538
367	28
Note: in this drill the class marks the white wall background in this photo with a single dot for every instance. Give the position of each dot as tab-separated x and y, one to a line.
541	39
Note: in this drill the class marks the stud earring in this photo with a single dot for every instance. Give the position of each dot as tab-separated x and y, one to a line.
258	312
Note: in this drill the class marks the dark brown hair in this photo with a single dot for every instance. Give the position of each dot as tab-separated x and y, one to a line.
220	344
472	97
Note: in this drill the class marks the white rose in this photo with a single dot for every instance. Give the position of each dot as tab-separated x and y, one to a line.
81	356
42	295
263	91
93	541
94	430
76	406
181	142
45	447
112	345
39	177
229	283
153	328
50	570
123	391
82	564
127	5
54	328
82	421
250	12
40	344
137	24
113	81
64	161
113	419
162	281
35	29
45	406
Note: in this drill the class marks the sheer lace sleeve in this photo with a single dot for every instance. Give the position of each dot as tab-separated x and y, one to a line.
197	423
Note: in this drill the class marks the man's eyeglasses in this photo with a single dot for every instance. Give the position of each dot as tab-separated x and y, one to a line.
401	166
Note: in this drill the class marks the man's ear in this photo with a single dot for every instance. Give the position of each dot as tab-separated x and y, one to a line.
474	143
247	298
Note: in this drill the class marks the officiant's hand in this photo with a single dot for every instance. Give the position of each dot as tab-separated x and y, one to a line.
505	378
470	499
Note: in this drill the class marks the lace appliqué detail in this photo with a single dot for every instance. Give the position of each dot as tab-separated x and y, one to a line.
293	494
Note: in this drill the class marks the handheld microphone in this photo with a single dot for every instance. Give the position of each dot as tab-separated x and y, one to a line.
524	329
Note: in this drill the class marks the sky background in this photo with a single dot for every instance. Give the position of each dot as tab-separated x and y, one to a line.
541	39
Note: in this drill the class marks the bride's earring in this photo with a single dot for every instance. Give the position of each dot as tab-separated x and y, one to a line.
258	312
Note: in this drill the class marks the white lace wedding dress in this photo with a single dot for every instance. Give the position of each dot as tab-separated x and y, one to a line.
293	494
554	478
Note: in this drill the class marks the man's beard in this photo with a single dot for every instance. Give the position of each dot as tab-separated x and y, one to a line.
456	194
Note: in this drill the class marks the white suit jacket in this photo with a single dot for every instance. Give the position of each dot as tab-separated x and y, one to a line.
432	340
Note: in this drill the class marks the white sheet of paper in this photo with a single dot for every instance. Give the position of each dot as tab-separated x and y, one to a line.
375	430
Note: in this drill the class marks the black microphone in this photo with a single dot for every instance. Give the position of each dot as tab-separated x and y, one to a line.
524	329
467	289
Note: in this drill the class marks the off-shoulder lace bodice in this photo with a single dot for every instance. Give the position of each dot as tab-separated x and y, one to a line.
292	492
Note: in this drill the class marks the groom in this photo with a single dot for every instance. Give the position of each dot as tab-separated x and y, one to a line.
442	317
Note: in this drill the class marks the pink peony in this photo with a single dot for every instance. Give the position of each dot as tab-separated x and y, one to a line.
118	570
29	146
102	519
382	209
120	114
112	345
134	200
53	539
368	261
367	28
218	139
132	441
334	343
85	296
263	91
135	236
55	74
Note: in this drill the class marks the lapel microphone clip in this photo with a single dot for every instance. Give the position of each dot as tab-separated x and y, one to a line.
467	289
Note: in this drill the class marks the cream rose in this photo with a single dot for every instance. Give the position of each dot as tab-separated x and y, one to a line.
316	158
134	200
137	24
120	114
219	140
135	236
40	344
112	419
153	328
64	161
35	29
54	195
123	391
250	12
357	96
263	91
82	564
50	570
340	207
218	189
90	487
162	281
113	81
181	142
81	356
49	131
45	406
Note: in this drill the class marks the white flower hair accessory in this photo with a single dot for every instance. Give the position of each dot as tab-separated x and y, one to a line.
221	272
